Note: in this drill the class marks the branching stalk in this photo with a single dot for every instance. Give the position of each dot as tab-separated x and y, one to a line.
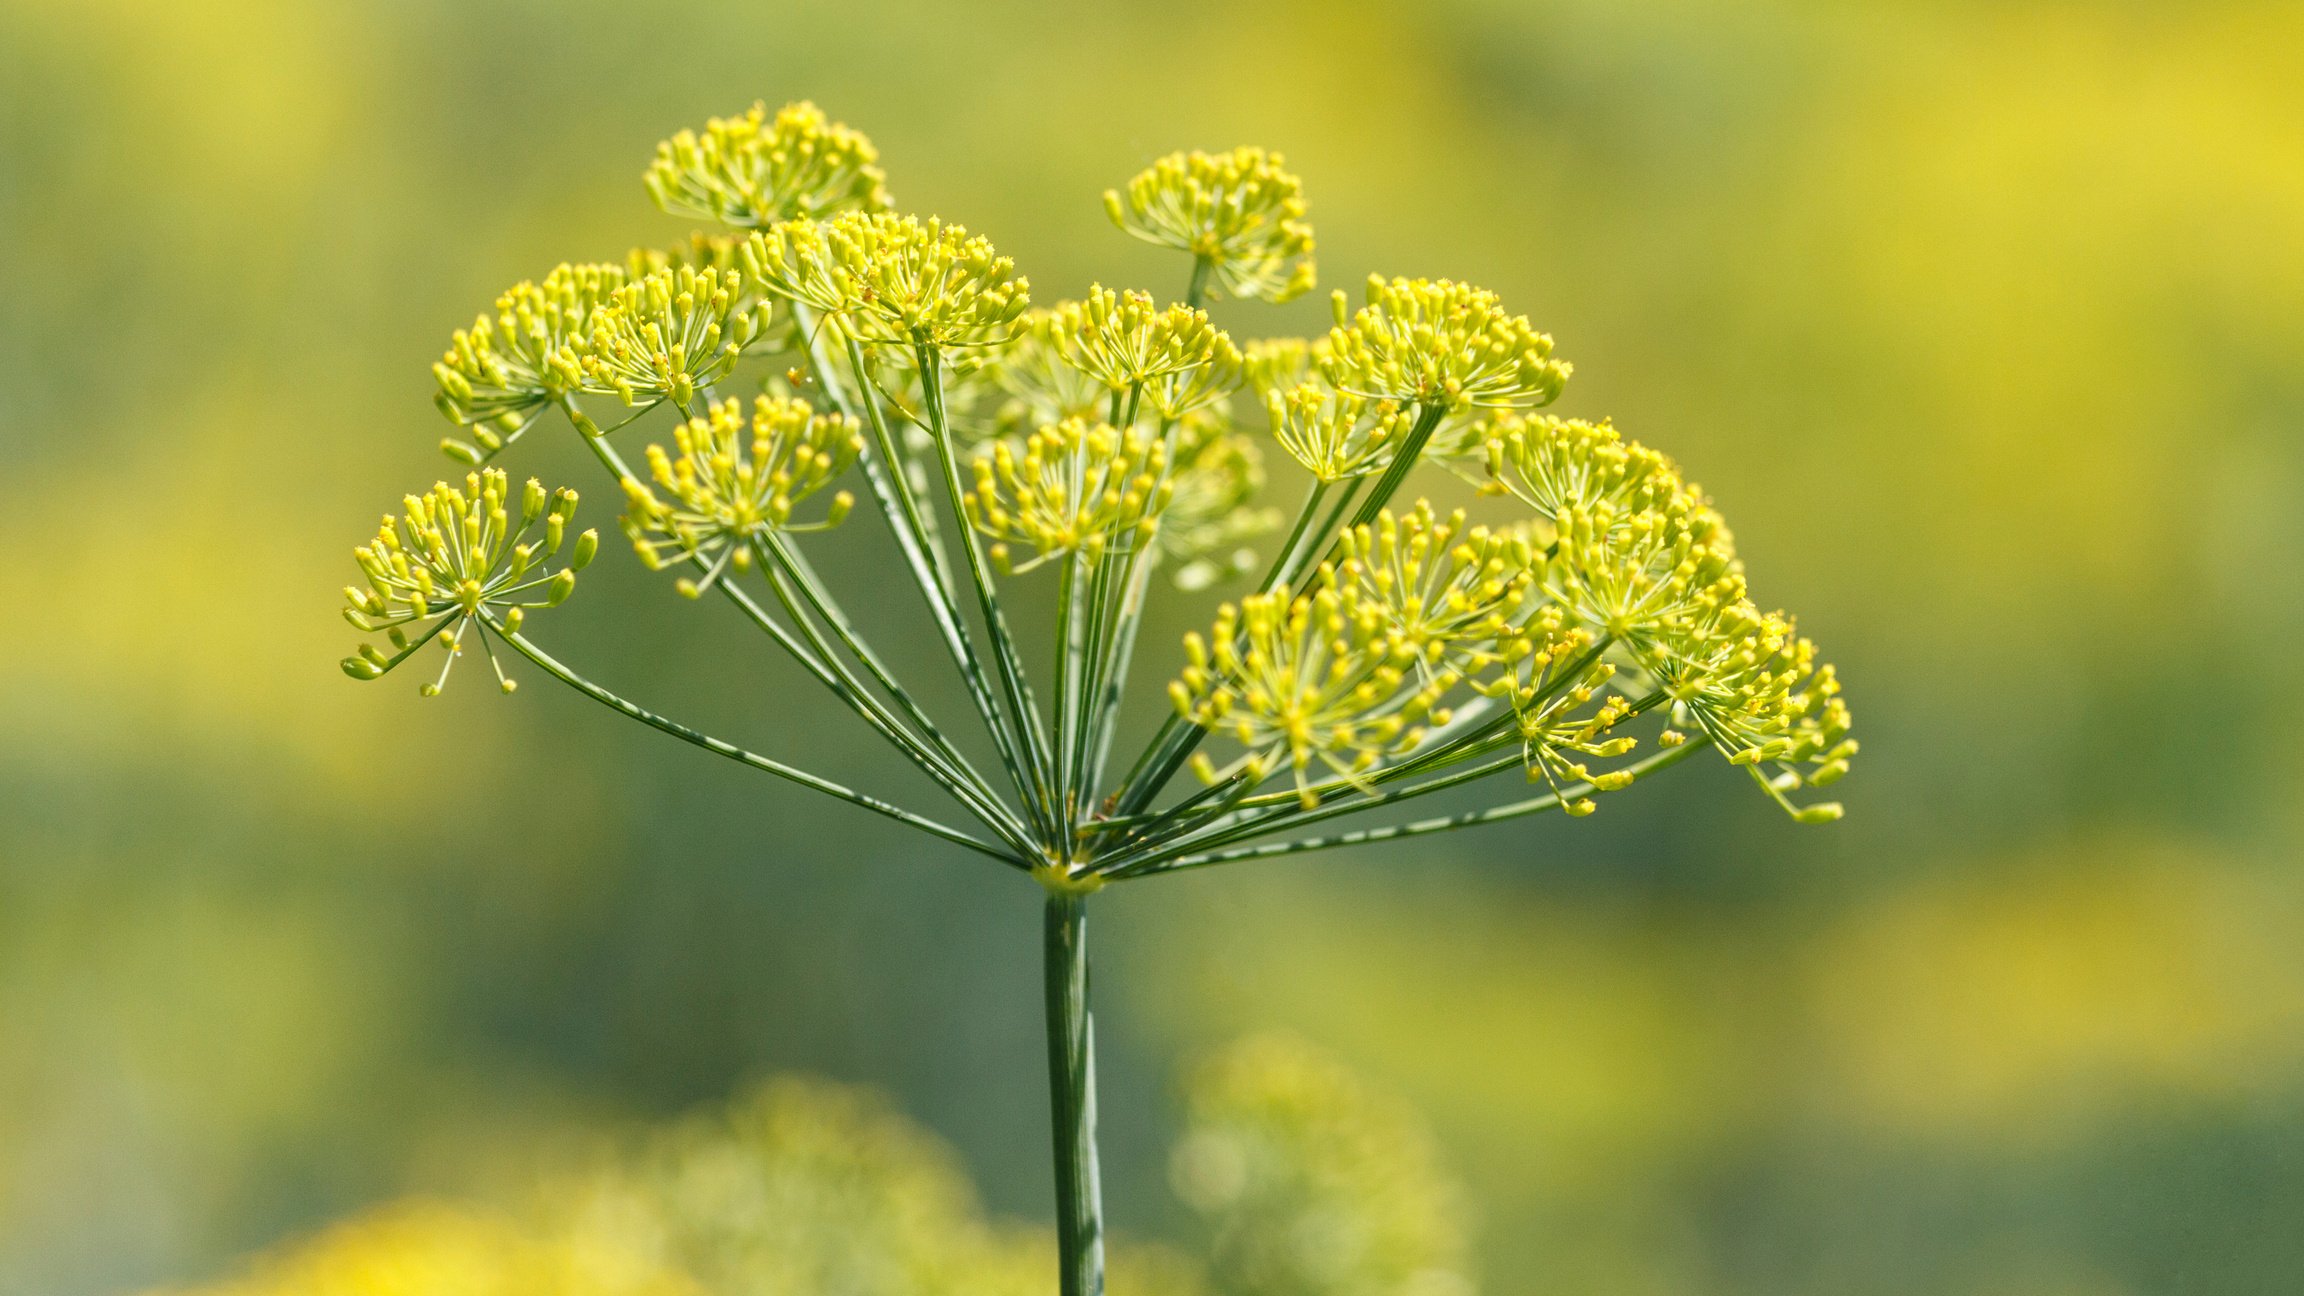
1007	665
720	747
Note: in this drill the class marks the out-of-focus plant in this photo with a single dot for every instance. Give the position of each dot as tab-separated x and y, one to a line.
1312	1184
801	1187
1388	651
1307	1182
424	1248
806	1187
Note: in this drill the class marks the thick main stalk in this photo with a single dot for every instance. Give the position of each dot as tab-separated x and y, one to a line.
1072	1096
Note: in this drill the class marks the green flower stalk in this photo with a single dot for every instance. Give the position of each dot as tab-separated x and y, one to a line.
1595	630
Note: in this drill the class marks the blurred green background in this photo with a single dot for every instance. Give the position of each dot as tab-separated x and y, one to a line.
1983	322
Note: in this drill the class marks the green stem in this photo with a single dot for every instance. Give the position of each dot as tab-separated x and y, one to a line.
1124	635
1284	560
1039	765
1427	420
1196	292
1173	742
819	598
903	514
1534	805
954	776
1071	675
1286	576
719	747
1072	1096
1173	745
1177	737
1271	819
596	440
926	553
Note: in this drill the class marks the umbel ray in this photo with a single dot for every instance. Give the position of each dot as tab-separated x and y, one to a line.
1092	452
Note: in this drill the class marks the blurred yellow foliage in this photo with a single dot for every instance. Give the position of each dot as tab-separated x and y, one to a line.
803	1187
1313	1184
2075	983
2003	302
431	1249
799	1188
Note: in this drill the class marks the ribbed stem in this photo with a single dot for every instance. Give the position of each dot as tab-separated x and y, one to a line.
1072	1097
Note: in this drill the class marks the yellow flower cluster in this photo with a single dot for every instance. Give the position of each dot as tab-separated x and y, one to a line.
894	280
507	367
1641	556
1337	436
644	335
1042	388
1077	487
1624	584
1439	343
1551	464
701	251
1277	364
753	171
1633	572
737	480
663	336
1105	424
1319	678
1212	512
1745	680
1181	392
1240	213
1453	595
457	555
1125	340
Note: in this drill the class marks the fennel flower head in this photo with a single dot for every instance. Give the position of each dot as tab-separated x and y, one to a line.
1240	214
1559	614
894	279
736	480
755	170
459	563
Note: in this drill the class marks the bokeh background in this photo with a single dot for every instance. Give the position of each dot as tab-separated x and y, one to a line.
1984	322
